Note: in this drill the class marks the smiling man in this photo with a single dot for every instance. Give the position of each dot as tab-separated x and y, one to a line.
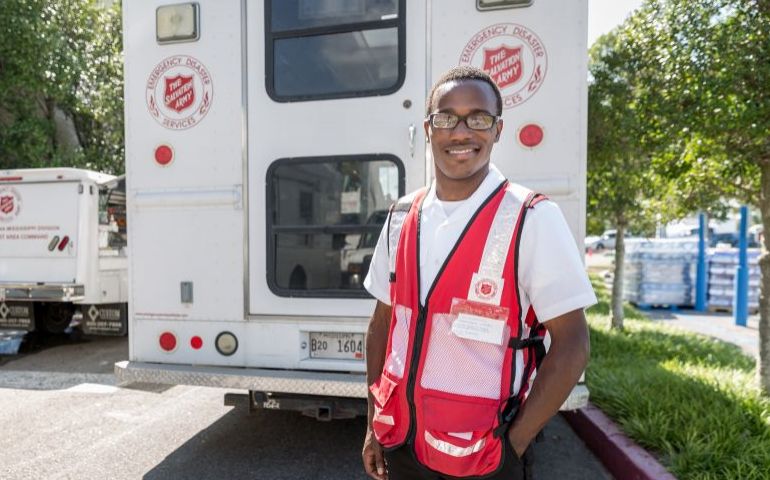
469	274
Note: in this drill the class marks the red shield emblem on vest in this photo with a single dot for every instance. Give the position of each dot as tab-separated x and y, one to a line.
503	64
180	92
486	288
6	204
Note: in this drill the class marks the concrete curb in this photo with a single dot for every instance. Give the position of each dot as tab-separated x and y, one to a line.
620	455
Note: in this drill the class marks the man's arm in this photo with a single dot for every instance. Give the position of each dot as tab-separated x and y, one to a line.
376	344
557	375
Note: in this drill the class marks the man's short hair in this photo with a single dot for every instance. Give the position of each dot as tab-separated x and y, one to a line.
463	73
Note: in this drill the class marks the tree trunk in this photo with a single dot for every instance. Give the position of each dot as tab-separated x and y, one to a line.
763	363
617	281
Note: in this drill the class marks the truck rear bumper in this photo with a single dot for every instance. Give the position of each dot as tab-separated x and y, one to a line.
277	381
47	292
262	380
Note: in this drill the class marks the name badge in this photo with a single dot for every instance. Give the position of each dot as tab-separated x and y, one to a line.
481	329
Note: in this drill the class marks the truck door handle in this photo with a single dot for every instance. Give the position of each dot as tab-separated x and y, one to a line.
412	132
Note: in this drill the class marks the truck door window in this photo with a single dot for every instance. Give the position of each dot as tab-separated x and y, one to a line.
320	49
324	217
112	218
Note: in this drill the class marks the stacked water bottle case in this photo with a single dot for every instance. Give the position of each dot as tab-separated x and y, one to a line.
721	289
660	272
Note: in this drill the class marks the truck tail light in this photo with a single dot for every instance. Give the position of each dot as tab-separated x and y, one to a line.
196	342
167	341
226	343
64	242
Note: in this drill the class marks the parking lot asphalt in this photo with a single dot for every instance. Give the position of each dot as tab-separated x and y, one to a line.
64	417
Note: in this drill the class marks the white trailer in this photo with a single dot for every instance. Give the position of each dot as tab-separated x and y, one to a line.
63	258
265	139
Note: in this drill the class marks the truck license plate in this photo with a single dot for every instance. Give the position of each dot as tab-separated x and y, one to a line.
348	346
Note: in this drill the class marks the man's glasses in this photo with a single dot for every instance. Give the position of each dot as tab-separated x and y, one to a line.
474	121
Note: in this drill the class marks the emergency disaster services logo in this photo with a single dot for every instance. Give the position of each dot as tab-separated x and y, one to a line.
513	55
10	204
179	92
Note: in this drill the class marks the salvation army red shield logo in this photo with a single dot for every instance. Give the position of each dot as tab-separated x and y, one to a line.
6	204
179	92
513	55
503	64
10	204
486	288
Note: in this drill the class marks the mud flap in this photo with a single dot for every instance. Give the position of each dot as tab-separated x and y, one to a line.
17	315
105	319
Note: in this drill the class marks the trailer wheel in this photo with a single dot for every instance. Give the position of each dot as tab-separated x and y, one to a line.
56	317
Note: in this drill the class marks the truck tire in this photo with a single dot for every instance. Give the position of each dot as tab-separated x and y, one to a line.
55	317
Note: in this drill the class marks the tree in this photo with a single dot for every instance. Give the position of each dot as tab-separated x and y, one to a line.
60	85
708	103
619	173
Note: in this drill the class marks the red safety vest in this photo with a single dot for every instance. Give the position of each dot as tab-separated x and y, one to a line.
447	385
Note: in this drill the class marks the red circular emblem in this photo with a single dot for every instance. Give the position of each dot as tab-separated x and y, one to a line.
531	135
179	92
486	288
513	55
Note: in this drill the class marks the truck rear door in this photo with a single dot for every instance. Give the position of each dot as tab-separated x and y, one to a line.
335	136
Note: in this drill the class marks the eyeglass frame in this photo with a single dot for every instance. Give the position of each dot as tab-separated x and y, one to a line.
463	118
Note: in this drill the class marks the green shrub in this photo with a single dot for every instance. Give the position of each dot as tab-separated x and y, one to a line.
689	399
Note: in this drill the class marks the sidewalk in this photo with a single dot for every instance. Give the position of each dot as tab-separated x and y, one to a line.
717	325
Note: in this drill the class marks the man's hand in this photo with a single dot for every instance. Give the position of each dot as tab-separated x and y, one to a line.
374	461
376	343
561	369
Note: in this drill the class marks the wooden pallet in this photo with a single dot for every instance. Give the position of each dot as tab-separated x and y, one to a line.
650	306
722	309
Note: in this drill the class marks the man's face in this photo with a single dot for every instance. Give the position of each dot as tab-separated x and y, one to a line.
460	152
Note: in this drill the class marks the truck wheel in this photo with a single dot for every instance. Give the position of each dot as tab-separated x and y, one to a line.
599	247
56	317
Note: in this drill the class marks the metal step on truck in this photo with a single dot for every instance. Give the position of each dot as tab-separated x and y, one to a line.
63	257
265	142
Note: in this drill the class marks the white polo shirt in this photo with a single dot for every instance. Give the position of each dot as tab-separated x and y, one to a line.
552	277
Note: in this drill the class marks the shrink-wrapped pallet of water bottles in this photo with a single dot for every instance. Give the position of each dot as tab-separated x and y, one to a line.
660	272
721	284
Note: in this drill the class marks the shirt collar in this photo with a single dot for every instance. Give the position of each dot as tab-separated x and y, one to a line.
493	179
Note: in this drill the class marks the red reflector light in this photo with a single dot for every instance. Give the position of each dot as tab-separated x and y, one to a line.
164	155
167	341
196	342
531	135
64	242
10	179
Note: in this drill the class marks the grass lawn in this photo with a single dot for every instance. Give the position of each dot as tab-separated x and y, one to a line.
690	400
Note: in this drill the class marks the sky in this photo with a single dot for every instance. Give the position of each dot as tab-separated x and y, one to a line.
604	15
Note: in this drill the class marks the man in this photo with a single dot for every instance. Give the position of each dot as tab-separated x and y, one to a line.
468	274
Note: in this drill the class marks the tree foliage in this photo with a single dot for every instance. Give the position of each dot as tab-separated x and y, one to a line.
700	76
60	84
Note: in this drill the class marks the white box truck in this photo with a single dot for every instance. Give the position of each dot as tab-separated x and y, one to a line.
265	141
63	258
